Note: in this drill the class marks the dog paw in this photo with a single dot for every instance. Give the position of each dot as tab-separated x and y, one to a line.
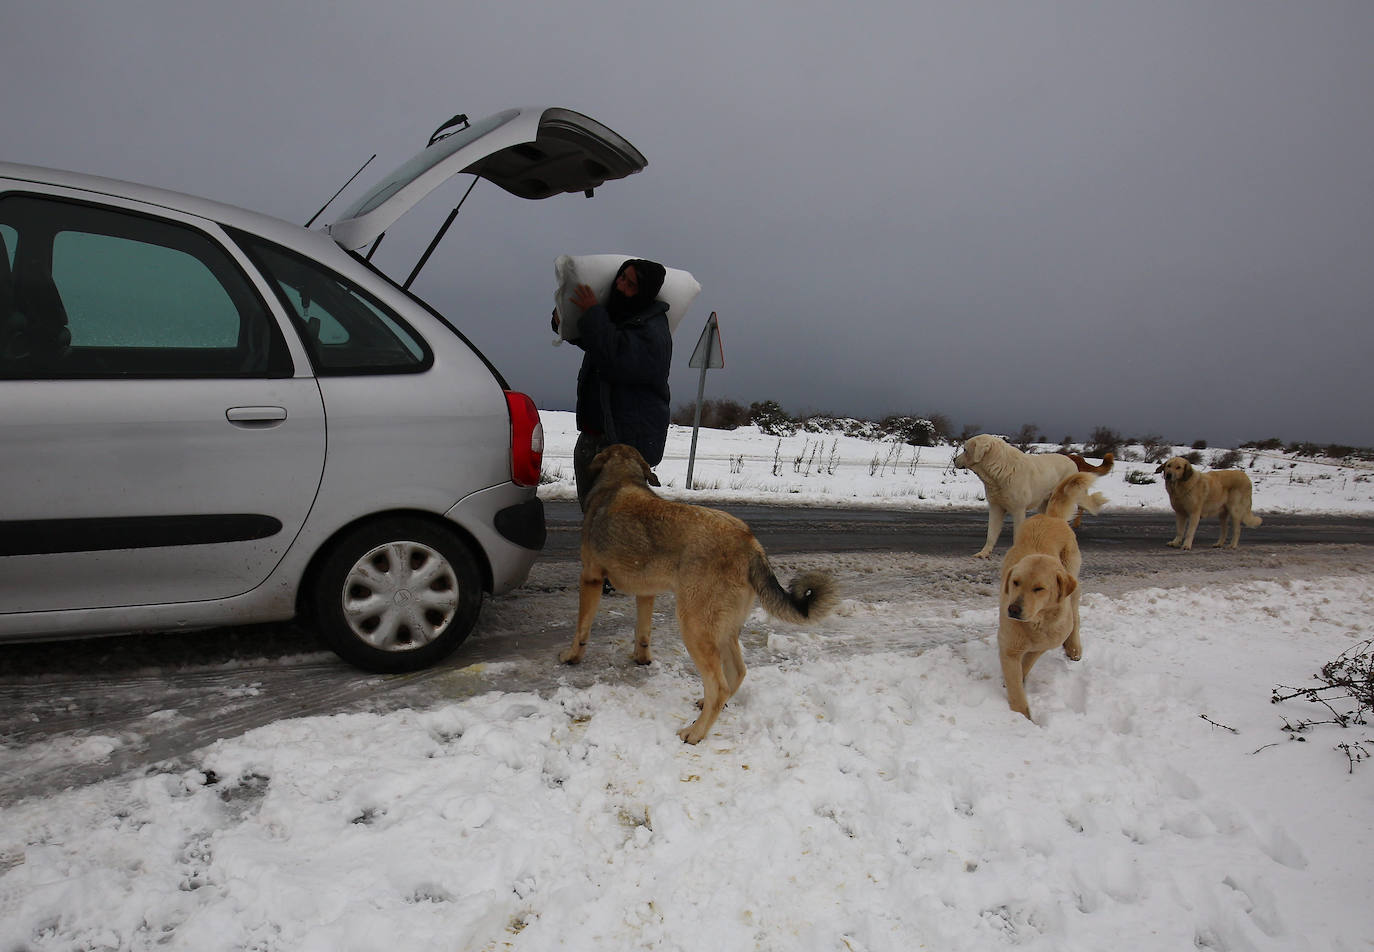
690	735
1074	653
982	555
570	656
1174	544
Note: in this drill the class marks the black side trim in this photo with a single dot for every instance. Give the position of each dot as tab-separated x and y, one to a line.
523	524
48	536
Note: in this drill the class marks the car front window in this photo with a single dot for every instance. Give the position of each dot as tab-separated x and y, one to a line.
98	292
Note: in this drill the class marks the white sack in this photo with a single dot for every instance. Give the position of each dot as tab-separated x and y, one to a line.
597	272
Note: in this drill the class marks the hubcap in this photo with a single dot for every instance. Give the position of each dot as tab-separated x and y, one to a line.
400	596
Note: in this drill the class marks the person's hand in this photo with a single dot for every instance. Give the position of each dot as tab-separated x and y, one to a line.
584	297
555	321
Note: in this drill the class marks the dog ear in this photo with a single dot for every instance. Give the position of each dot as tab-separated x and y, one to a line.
651	478
1006	584
1187	473
1067	585
1159	468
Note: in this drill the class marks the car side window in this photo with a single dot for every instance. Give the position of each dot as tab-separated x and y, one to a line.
97	292
345	330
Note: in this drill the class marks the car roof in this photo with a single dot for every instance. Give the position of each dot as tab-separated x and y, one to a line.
225	214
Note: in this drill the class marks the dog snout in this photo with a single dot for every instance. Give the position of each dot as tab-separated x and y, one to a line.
1014	610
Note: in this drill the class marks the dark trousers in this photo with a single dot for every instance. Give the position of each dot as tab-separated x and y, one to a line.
584	451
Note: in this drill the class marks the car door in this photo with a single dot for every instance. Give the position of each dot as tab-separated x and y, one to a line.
157	444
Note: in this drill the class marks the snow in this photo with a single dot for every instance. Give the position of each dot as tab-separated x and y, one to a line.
830	469
868	789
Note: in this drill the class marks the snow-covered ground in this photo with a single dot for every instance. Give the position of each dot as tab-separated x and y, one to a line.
868	789
827	469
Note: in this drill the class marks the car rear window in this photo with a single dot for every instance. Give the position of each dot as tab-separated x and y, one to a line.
345	330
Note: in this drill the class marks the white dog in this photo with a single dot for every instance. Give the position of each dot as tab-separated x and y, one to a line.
1015	482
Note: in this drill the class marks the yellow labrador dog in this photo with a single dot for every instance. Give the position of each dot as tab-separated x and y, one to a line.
1014	481
1040	593
1195	495
646	545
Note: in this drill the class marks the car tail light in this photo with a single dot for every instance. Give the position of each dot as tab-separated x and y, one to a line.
526	440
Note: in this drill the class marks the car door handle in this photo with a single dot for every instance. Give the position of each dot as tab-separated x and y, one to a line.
255	416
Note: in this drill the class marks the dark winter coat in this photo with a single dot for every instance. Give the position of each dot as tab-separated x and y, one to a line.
622	387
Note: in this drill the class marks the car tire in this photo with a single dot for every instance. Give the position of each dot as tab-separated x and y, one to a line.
397	595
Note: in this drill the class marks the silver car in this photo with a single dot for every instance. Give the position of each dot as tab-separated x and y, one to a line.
213	417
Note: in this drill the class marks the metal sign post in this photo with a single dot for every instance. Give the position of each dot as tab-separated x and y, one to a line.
709	353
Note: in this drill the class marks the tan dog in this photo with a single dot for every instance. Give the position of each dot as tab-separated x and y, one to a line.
1014	481
1194	495
646	545
1084	466
1040	593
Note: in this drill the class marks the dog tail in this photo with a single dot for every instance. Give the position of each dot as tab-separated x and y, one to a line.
1251	520
1072	494
1085	467
812	594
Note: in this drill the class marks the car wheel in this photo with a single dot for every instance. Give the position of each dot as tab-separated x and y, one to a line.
397	595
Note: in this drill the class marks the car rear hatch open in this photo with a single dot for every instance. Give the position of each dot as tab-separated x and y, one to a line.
532	152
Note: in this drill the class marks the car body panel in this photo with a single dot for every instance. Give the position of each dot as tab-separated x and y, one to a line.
159	451
532	152
156	500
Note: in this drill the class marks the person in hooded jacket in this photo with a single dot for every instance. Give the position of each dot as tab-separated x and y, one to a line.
622	386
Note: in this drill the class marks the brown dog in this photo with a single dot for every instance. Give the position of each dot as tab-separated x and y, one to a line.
1194	495
1040	593
646	545
1084	466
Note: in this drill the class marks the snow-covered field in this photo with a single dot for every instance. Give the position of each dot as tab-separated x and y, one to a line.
868	789
826	469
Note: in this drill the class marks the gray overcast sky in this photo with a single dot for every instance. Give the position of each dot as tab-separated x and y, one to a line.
1156	216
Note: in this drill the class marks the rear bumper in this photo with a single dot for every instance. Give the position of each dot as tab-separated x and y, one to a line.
523	524
507	521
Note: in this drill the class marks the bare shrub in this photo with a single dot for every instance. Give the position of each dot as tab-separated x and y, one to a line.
1227	460
1103	440
911	430
1156	449
1028	434
941	427
770	418
1199	444
723	414
1346	691
1138	477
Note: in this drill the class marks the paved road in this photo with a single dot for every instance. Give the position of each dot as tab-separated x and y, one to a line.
939	532
72	713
